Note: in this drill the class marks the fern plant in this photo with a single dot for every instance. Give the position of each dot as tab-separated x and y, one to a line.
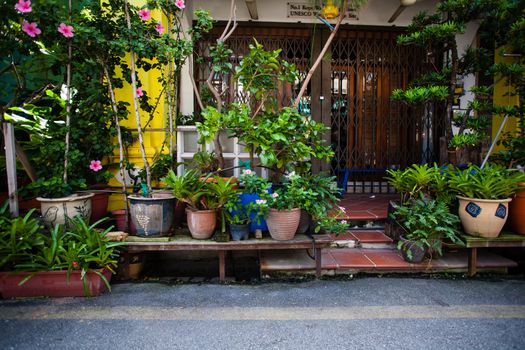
426	224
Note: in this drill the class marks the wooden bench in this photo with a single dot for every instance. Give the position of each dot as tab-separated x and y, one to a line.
504	240
186	243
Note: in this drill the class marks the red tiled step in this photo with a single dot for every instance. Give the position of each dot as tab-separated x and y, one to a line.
377	260
364	207
363	238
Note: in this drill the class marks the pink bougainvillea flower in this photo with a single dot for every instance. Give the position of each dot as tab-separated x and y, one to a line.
95	165
23	6
139	92
180	4
159	28
30	29
66	30
145	15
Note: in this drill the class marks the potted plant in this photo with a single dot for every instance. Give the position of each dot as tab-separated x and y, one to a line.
252	188
239	216
284	212
412	183
425	223
72	261
484	194
204	198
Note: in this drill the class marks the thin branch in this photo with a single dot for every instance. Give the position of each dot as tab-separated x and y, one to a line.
321	55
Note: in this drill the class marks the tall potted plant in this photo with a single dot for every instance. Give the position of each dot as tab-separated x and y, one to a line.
484	195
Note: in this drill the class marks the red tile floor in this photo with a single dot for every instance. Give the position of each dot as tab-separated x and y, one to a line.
372	250
366	206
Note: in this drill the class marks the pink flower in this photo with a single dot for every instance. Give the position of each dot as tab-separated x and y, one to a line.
23	6
159	28
275	195
139	92
95	165
66	30
247	172
30	29
145	15
260	201
180	4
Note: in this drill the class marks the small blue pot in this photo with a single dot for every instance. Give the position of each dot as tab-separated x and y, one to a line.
247	198
239	232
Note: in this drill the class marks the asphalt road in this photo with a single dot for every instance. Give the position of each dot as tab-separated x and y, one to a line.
365	313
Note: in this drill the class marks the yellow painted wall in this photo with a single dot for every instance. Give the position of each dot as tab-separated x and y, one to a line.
153	140
502	98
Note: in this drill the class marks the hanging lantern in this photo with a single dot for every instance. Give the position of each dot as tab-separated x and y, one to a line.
330	11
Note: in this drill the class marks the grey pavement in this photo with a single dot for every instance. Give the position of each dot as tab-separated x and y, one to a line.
364	313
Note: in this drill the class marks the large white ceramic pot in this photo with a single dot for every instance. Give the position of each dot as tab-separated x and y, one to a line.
283	224
483	217
60	210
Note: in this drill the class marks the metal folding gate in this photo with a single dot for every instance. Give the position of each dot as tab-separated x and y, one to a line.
368	131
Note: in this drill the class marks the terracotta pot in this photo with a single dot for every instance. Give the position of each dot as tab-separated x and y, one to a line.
51	284
517	212
99	206
122	223
201	223
483	217
59	210
152	217
283	224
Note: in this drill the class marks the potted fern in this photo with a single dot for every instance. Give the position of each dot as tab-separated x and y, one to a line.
425	223
484	195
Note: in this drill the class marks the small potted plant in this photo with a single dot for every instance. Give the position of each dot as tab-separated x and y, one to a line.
484	195
240	215
284	210
425	223
252	187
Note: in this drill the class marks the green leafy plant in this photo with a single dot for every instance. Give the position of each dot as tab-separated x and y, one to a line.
491	182
252	182
464	140
239	214
431	181
25	246
188	188
426	223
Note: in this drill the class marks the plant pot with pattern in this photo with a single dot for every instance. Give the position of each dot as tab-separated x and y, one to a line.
484	196
59	203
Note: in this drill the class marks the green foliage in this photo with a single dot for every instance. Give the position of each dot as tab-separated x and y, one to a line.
418	95
188	188
53	187
491	182
427	223
417	180
240	214
26	246
431	33
464	140
253	183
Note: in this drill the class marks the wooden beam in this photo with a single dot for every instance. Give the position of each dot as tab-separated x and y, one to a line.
252	8
10	162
